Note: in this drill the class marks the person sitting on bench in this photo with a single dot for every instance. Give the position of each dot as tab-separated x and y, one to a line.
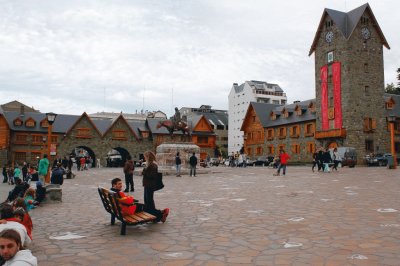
126	202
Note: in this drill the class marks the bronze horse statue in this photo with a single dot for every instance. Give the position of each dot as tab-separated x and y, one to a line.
171	126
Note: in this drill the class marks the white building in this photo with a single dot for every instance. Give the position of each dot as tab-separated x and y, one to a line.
239	99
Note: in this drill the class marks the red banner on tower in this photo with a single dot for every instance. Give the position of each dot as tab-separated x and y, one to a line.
337	98
324	97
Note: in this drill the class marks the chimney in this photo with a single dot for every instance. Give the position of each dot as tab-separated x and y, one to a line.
22	111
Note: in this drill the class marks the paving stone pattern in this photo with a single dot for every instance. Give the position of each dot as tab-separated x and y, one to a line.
232	216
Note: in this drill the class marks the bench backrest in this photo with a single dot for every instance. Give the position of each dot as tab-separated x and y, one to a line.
110	202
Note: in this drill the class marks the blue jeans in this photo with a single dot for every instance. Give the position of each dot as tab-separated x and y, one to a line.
178	169
283	167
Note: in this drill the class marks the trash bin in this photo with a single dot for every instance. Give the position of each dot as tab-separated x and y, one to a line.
390	162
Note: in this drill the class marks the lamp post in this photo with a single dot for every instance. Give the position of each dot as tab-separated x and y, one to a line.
51	117
392	120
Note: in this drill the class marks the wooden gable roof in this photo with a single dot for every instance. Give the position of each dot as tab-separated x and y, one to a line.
203	125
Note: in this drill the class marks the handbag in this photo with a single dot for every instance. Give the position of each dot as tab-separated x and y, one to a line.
158	184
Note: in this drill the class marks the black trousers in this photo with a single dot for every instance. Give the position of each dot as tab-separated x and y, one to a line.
149	204
129	182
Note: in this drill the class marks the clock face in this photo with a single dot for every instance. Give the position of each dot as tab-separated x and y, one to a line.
365	33
329	37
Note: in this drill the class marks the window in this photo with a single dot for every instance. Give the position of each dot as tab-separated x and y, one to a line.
249	151
202	140
30	123
282	132
296	148
83	133
369	145
220	127
366	91
273	116
54	139
270	134
259	150
281	147
295	131
18	122
21	138
298	110
389	104
271	149
365	68
37	139
44	123
310	147
309	130
285	113
20	157
119	134
369	124
145	134
254	118
311	108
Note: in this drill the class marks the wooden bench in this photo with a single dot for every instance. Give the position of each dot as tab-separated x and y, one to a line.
110	203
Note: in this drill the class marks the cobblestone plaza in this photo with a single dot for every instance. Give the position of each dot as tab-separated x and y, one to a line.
232	216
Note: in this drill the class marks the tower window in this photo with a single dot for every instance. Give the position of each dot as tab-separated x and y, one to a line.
365	68
366	90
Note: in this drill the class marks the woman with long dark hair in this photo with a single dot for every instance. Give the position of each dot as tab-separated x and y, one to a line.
149	176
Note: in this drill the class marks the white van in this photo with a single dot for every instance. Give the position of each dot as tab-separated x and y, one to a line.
348	155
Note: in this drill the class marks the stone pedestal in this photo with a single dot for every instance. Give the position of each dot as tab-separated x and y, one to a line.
166	153
53	193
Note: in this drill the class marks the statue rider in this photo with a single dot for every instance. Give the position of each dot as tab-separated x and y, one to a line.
177	118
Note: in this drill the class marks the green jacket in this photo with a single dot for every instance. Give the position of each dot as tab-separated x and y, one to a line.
43	166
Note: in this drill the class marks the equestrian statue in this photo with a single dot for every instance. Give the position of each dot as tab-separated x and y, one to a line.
176	124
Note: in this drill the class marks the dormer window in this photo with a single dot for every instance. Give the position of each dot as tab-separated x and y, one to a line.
44	123
18	122
285	113
390	104
298	110
30	123
311	107
273	116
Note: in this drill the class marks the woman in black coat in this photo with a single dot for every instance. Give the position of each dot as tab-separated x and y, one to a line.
149	182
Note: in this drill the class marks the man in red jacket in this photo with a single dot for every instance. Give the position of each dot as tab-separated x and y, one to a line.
126	202
284	158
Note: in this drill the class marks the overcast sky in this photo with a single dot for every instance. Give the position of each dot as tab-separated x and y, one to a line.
80	56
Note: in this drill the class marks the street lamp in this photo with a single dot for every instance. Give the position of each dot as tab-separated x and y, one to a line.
51	117
392	120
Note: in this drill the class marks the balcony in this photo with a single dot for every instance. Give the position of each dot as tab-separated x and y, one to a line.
333	133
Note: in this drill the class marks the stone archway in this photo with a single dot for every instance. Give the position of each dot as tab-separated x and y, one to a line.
117	157
332	145
84	151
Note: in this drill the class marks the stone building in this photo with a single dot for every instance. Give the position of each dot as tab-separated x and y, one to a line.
351	108
349	75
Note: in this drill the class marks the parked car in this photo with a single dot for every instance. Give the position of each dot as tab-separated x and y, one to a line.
378	159
214	162
262	161
348	155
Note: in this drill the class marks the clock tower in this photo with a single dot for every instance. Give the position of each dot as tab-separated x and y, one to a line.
349	81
